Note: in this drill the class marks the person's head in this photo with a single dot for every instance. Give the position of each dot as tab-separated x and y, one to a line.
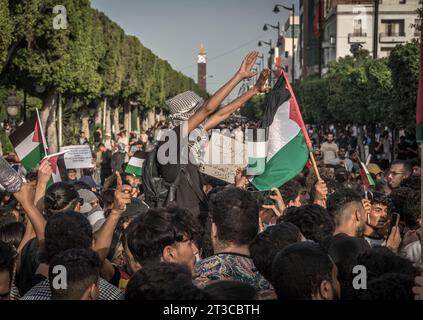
90	201
61	197
329	137
12	233
412	214
268	243
416	165
82	134
71	174
399	198
314	221
134	181
389	287
163	235
234	213
184	106
398	171
101	147
66	230
378	217
82	267
162	281
346	206
304	271
7	264
291	195
342	153
108	136
412	182
7	215
108	197
230	290
380	260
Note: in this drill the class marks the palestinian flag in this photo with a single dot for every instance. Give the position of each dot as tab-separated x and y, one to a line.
366	178
419	108
57	165
28	141
285	149
135	164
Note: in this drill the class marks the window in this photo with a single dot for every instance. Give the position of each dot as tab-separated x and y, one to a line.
286	54
286	69
393	28
402	1
387	50
358	28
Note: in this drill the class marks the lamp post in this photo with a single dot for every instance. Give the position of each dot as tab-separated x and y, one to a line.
292	9
13	106
277	27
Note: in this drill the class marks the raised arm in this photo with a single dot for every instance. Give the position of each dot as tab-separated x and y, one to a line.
213	103
227	111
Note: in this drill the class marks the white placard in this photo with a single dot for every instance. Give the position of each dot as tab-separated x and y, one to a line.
77	157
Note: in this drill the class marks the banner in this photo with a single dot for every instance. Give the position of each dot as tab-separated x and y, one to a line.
78	157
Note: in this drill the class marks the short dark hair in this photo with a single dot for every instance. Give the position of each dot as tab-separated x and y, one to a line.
66	230
108	197
162	281
290	191
60	197
412	214
339	200
80	185
148	234
12	233
399	198
230	290
314	221
235	213
380	260
412	182
407	166
381	198
389	286
7	216
268	243
299	269
7	258
82	270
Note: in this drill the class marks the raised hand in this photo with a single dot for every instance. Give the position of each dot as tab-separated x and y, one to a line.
122	197
44	172
261	83
245	71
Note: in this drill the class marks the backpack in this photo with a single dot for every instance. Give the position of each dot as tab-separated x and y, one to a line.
157	192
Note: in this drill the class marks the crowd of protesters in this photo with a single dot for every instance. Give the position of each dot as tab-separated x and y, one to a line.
302	241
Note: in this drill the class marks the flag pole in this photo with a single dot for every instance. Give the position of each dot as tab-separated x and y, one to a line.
305	133
42	132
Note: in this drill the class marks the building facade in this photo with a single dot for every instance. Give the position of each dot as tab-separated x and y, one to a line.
285	48
202	68
349	24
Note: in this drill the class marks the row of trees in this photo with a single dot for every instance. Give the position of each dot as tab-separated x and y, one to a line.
86	59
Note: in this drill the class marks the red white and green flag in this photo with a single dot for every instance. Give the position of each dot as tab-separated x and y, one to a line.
419	108
29	143
281	152
135	164
366	178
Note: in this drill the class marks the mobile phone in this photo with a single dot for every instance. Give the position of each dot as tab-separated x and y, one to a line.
395	219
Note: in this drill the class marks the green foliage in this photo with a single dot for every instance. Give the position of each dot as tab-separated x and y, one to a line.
254	108
404	63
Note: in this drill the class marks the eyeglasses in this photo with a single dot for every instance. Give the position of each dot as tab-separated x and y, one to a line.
393	173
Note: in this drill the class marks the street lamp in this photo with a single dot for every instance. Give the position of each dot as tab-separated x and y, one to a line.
277	27
13	106
292	9
260	43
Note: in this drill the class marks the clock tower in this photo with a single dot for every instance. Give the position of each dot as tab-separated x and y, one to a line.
202	70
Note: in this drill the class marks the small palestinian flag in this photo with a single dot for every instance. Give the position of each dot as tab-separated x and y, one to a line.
28	141
366	178
135	164
56	165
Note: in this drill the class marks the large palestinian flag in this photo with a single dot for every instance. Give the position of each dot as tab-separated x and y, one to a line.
28	143
281	148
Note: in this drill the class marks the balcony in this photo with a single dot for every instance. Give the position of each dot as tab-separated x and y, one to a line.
357	37
392	37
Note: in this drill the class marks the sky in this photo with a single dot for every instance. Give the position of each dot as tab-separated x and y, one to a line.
174	30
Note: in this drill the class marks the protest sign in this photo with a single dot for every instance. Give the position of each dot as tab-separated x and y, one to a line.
77	157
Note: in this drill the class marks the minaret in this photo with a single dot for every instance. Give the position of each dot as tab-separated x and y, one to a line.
202	70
